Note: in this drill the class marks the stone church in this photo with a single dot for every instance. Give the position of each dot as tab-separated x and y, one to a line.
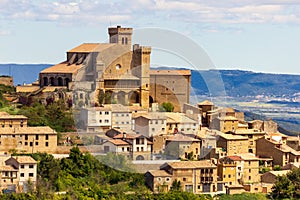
117	72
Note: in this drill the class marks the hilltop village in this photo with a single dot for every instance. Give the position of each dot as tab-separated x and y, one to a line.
121	106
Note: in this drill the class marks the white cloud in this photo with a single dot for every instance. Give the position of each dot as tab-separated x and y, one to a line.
93	12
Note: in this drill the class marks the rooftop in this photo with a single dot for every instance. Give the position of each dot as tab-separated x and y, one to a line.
27	130
181	138
85	48
171	72
206	103
178	118
229	136
7	168
235	158
118	142
63	67
248	156
5	115
162	173
192	164
24	159
279	173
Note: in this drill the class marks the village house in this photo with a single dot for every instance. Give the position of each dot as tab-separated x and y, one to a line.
18	174
182	146
179	122
276	148
194	176
232	144
150	124
247	169
134	146
252	134
16	135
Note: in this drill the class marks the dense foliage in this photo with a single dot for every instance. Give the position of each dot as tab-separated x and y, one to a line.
56	115
287	186
167	107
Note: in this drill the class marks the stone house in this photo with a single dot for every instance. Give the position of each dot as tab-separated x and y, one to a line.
232	144
277	149
194	176
15	134
134	146
151	124
18	173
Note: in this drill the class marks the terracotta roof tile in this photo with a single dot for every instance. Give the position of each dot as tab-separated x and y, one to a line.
28	130
118	142
24	159
63	68
192	164
170	72
7	168
157	173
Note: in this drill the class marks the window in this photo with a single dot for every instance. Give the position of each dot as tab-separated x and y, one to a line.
249	178
46	144
229	176
100	121
81	96
137	149
123	149
167	179
36	143
153	129
37	137
100	113
249	170
26	137
13	136
22	166
31	144
47	137
106	121
30	174
184	179
142	148
106	112
26	143
30	166
22	174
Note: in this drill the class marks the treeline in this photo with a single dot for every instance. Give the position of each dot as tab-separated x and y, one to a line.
56	114
85	177
82	176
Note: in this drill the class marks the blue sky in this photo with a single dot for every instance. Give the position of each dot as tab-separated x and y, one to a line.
256	35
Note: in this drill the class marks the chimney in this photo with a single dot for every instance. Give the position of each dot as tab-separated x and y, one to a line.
124	135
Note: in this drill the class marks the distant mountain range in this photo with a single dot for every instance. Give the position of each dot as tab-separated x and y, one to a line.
22	73
236	83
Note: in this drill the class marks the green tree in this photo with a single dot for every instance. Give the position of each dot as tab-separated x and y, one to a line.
167	107
283	188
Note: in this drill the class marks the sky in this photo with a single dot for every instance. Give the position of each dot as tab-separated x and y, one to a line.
254	35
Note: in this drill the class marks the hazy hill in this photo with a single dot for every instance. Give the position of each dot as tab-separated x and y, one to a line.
246	83
22	73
